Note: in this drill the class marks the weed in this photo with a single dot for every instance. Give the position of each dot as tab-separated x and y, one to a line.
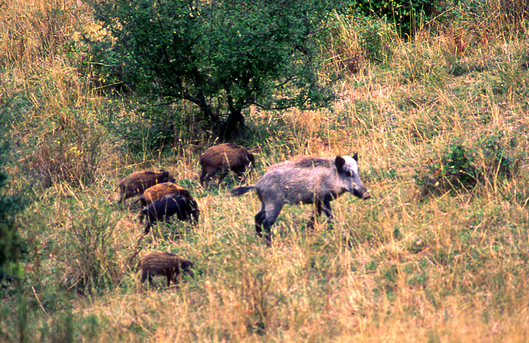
90	255
462	168
455	170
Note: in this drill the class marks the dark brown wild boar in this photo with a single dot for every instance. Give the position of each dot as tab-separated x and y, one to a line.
159	263
165	208
160	190
221	159
136	183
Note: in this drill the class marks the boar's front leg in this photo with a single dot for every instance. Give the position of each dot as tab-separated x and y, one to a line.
324	205
169	273
327	209
222	176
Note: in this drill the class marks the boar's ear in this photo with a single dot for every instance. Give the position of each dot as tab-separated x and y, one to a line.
355	156
339	162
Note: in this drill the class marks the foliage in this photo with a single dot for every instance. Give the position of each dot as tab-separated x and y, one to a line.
462	168
457	168
221	56
406	15
12	246
145	128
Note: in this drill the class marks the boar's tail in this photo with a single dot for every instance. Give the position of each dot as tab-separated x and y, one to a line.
241	190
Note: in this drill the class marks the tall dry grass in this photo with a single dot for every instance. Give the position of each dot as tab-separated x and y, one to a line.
449	265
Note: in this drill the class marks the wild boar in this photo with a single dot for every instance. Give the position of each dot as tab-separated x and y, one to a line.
164	264
306	180
221	159
136	183
160	190
164	208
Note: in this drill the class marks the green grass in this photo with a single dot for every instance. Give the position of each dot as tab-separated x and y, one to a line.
422	260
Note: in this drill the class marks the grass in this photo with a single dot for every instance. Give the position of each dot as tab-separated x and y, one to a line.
449	264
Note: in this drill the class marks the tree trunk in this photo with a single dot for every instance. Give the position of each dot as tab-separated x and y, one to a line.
234	118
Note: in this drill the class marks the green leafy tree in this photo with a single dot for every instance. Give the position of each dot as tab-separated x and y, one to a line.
222	56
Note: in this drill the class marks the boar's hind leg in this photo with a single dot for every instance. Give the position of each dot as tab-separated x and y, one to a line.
271	216
259	218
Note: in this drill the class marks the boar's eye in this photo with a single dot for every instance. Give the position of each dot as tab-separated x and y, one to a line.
348	173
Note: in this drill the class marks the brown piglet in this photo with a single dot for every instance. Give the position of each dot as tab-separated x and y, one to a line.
136	183
221	159
159	263
160	190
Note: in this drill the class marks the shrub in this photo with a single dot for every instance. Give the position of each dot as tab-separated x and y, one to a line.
461	168
406	15
454	171
220	56
12	246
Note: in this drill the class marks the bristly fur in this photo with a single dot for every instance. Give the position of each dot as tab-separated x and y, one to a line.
136	183
164	264
312	162
304	180
221	159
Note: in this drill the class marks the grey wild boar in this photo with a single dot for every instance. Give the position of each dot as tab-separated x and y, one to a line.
136	183
164	208
221	159
306	180
164	264
160	190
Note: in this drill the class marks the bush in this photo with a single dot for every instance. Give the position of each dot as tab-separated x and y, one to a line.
461	168
12	246
454	171
406	15
150	128
220	56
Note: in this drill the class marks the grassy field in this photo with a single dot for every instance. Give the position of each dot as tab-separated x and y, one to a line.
439	253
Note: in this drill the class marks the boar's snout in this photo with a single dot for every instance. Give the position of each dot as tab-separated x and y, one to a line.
362	193
187	268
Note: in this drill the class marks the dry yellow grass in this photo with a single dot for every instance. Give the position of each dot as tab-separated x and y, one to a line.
401	266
